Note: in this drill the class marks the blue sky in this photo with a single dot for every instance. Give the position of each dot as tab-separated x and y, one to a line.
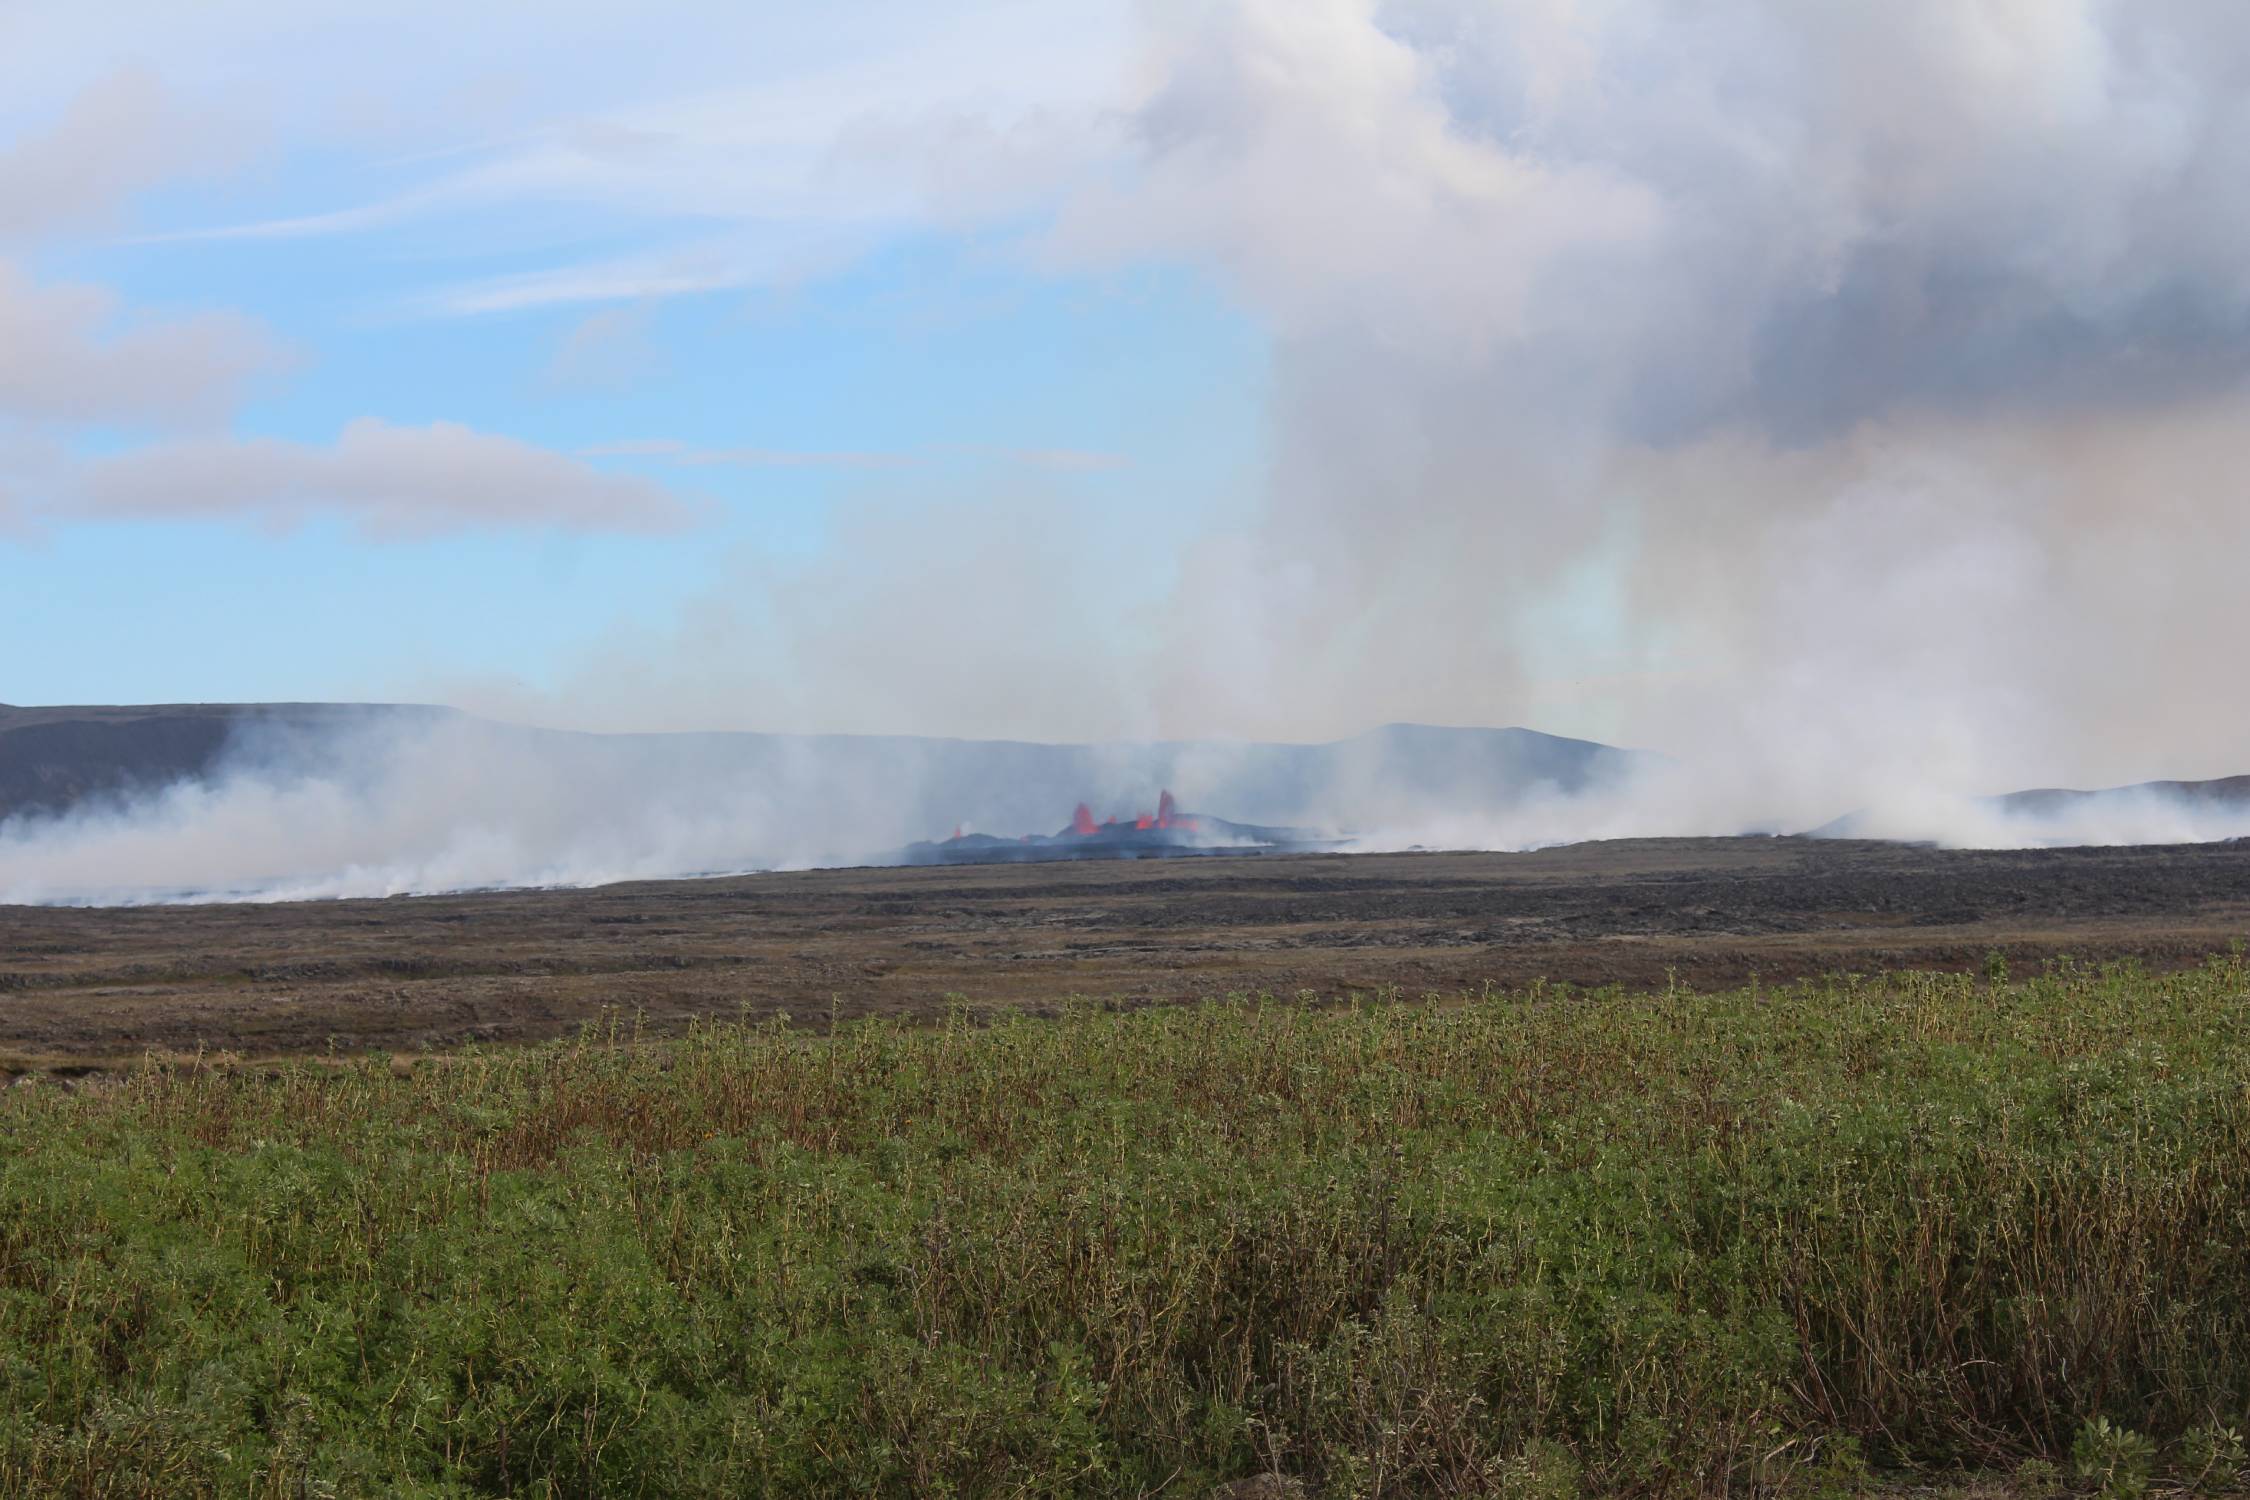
755	318
849	349
927	365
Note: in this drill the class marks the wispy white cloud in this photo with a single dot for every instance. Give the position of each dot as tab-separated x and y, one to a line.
837	130
1064	460
122	133
684	269
68	355
691	456
25	460
302	226
1058	460
391	481
74	358
610	349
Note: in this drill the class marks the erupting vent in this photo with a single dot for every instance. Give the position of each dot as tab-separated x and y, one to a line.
1163	833
1166	819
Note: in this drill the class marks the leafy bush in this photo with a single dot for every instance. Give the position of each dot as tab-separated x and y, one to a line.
2213	1459
2115	1461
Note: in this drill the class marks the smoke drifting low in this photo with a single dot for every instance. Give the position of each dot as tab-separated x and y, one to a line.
388	804
382	809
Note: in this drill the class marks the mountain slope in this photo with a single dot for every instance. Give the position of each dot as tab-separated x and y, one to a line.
2145	812
54	759
2224	791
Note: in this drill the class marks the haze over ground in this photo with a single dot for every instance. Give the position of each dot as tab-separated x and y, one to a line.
1848	401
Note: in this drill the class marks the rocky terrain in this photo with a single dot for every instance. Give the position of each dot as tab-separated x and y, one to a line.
89	987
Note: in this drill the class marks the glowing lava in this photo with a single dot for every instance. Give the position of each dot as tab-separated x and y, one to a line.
1082	824
1166	833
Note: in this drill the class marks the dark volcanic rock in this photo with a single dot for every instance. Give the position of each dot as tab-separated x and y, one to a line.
1183	835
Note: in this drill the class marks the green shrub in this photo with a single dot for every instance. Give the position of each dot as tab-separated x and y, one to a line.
2115	1461
2213	1459
1774	1241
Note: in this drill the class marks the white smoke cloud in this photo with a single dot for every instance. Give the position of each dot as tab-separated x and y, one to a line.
1304	151
388	803
1874	367
1679	213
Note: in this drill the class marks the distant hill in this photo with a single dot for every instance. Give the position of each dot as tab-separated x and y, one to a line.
882	791
54	759
2225	792
2144	812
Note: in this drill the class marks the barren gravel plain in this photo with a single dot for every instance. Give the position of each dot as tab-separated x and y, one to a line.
88	989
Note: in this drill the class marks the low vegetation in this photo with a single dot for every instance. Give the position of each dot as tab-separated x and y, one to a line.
1861	1232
